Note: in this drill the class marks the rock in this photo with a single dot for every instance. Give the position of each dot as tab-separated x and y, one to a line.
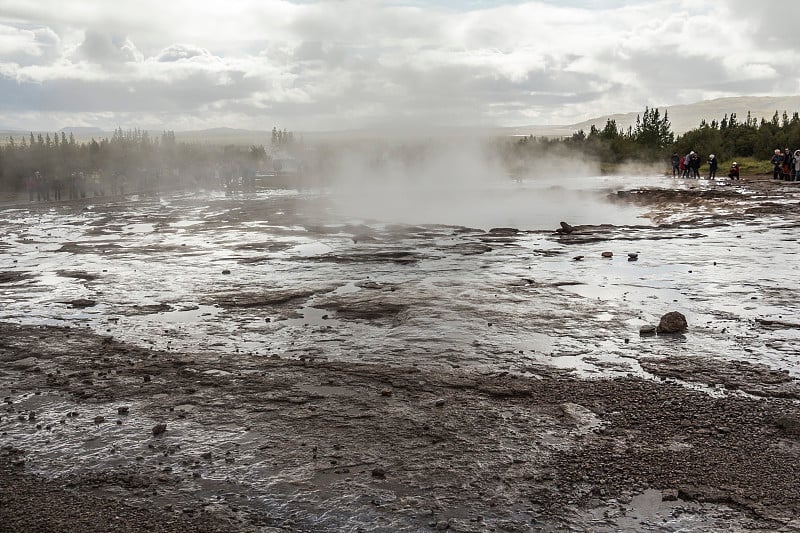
669	495
379	473
159	429
226	271
647	330
386	392
607	254
672	322
122	410
504	231
440	402
566	228
99	419
789	424
633	257
81	303
578	258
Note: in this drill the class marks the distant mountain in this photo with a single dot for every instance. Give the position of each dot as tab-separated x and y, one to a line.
682	117
220	131
82	130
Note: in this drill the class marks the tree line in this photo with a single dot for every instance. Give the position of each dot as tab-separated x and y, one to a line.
145	160
141	159
651	139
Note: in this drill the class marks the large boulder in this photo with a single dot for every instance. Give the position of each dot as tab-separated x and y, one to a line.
672	322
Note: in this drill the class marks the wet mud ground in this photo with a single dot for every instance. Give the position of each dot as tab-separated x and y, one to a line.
274	362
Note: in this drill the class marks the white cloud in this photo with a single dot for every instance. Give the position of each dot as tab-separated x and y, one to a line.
107	48
28	45
181	52
350	63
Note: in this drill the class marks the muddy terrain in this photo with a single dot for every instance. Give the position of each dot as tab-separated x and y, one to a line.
278	361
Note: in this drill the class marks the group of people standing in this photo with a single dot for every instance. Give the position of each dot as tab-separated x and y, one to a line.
786	165
688	166
76	185
41	188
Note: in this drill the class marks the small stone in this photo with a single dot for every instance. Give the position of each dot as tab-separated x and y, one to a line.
440	402
578	258
159	429
82	303
633	257
669	495
146	378
647	330
379	473
226	271
122	410
607	254
565	228
386	392
99	419
788	424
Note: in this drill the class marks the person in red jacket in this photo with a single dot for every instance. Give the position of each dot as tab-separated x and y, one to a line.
733	173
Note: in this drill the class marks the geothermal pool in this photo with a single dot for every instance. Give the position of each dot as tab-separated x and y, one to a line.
425	275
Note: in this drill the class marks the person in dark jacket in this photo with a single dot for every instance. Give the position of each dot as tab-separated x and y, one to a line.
676	164
788	160
777	164
694	165
712	166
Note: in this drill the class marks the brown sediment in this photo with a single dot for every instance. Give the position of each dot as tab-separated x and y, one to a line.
254	443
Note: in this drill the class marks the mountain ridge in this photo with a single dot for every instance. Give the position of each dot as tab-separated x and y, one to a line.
683	117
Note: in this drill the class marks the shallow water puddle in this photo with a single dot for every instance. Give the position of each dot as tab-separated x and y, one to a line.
431	293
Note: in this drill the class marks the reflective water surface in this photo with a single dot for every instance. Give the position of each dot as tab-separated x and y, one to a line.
318	274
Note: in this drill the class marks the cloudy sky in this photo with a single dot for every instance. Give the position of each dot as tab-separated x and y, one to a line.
341	64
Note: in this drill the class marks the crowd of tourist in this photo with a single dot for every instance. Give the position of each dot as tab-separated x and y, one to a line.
76	185
786	165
